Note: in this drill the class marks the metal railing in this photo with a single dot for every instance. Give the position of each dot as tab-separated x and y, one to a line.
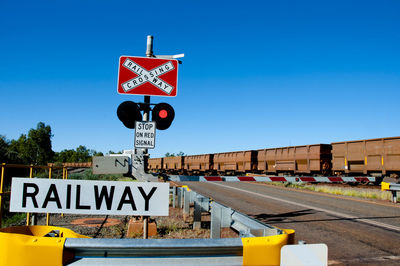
31	168
392	187
221	216
248	248
214	250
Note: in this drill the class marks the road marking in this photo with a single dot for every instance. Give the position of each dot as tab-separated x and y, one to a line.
363	260
386	204
339	214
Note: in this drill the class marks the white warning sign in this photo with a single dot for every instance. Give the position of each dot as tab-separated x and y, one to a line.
89	197
145	134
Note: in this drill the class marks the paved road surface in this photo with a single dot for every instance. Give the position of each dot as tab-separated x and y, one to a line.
357	232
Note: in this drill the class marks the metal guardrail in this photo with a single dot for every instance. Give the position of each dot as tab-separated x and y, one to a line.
83	247
221	216
393	187
215	250
41	247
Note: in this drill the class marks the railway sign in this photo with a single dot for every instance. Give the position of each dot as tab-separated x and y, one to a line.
41	195
145	134
147	76
115	164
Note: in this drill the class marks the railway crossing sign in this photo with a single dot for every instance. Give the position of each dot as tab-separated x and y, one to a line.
145	134
89	197
147	76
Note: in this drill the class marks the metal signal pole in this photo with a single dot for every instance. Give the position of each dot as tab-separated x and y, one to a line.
146	117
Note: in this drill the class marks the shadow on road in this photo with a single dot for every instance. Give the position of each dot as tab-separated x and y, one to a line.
285	217
282	216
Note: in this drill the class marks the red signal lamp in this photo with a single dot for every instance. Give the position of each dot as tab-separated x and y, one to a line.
163	114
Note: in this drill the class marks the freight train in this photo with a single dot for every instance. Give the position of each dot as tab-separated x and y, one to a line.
375	157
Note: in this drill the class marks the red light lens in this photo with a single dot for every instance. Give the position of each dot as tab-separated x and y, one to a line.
163	114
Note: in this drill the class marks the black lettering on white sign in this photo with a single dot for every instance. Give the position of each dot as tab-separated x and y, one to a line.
89	197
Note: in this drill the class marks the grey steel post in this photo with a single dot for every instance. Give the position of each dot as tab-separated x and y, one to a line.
181	198
149	50
197	213
179	192
34	219
146	112
394	196
215	228
186	202
173	197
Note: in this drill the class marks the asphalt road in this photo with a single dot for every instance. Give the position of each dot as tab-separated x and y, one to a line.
357	232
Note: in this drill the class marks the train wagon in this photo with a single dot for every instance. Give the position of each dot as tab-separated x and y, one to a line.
173	164
378	157
307	159
198	164
155	164
238	162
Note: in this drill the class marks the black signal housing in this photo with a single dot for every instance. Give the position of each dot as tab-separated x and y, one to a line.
128	112
163	114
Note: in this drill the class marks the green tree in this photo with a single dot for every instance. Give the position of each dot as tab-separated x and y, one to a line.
19	152
80	154
39	143
181	153
34	148
4	144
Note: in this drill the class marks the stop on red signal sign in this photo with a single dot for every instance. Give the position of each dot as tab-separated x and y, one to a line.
147	76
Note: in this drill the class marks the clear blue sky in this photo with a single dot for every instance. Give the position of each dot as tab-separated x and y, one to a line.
256	74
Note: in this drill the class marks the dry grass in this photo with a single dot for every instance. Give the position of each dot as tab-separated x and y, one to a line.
350	191
174	226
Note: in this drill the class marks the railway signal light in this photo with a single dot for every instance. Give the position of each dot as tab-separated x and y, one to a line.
163	114
128	112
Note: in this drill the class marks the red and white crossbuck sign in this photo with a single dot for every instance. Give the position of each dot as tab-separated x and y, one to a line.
147	76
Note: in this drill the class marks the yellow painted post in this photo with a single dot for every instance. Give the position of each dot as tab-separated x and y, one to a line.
48	215
63	177
28	220
3	165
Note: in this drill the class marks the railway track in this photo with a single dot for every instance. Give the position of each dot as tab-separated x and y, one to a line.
356	231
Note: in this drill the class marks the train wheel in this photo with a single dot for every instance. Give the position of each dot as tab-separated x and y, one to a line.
378	180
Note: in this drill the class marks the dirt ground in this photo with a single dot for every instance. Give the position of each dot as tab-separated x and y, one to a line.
97	226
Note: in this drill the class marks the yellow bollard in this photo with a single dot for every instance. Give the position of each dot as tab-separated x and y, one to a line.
63	177
3	165
48	215
29	245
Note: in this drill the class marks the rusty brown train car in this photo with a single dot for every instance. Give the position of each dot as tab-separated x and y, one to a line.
198	164
155	164
237	162
307	159
379	157
173	165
